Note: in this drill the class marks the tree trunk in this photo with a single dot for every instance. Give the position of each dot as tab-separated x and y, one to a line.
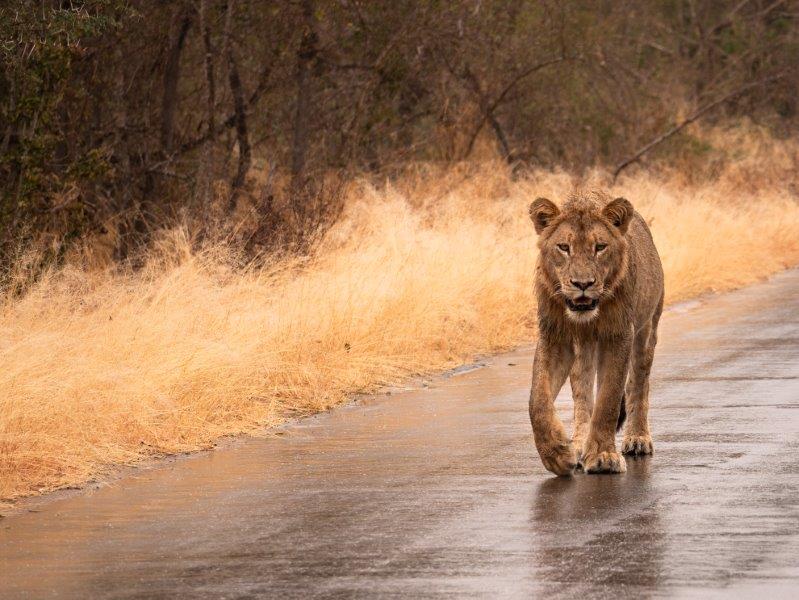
207	167
121	149
240	111
305	57
172	77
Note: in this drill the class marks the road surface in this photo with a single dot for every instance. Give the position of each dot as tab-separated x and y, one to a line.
438	492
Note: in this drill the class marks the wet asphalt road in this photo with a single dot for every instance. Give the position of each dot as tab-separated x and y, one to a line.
438	492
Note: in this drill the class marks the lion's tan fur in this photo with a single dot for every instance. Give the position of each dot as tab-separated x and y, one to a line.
624	281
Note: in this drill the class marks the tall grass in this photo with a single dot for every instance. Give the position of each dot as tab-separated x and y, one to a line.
102	368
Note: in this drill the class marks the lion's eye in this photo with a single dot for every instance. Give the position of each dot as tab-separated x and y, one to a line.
563	248
600	247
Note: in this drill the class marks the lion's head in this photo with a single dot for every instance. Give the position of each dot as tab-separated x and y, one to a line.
583	250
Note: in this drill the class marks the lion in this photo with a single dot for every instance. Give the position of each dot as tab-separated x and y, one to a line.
599	287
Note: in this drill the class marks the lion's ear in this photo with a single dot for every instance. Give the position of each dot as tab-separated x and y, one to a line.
542	212
619	212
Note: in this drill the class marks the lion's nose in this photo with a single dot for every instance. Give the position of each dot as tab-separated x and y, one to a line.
584	284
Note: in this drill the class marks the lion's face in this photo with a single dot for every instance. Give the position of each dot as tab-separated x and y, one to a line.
583	252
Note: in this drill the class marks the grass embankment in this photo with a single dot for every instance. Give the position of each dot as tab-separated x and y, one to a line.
101	368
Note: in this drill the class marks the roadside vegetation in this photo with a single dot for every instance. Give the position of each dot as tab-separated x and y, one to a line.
103	367
218	215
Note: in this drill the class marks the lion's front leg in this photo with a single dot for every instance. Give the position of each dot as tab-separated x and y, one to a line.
582	376
553	360
599	449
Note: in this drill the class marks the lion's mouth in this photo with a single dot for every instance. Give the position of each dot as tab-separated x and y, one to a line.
582	304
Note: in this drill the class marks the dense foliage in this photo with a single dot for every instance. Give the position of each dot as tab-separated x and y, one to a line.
140	111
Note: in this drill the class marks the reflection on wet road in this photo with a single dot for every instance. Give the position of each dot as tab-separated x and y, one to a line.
439	492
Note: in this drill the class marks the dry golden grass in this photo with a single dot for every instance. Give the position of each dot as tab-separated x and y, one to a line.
102	369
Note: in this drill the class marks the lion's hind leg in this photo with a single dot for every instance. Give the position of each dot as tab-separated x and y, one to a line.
637	438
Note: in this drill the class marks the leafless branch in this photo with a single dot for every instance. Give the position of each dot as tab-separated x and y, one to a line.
487	107
687	121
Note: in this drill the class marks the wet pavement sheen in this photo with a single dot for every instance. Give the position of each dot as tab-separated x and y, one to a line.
438	492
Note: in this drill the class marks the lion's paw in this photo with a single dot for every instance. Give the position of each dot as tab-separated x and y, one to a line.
604	462
637	445
559	458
